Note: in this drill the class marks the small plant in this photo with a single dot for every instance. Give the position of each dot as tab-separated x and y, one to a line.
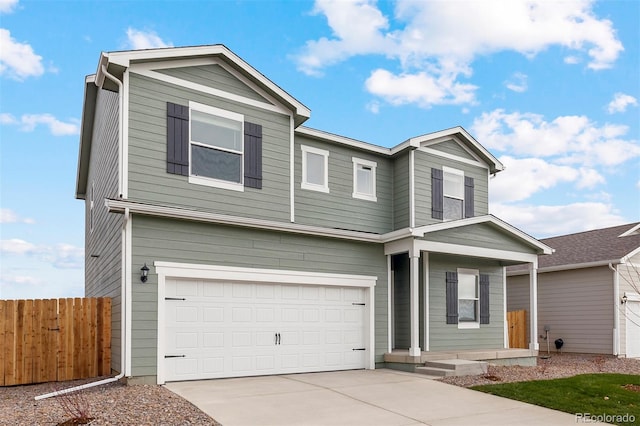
76	406
599	361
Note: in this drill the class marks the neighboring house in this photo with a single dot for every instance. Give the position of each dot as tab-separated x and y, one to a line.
588	291
273	247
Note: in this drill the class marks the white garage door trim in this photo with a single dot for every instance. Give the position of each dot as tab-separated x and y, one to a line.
632	327
277	276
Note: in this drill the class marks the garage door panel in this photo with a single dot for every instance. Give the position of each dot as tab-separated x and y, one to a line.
233	329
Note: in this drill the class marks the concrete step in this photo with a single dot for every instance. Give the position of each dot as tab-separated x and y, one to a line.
453	367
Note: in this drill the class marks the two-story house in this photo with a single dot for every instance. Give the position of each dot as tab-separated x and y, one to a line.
236	242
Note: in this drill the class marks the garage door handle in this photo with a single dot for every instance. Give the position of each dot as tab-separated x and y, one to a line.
359	304
175	356
174	298
277	338
359	349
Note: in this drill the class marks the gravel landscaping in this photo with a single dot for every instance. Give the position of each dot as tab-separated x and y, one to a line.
556	366
118	404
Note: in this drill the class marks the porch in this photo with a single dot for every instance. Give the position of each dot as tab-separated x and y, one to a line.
399	359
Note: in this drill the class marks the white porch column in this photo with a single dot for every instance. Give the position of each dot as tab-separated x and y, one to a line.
533	305
414	262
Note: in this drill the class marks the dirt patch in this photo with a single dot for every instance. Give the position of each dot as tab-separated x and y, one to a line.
632	388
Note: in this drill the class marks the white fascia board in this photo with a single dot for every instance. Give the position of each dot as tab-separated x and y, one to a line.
626	258
119	206
631	231
436	153
422	230
462	132
568	267
433	246
125	58
277	276
319	134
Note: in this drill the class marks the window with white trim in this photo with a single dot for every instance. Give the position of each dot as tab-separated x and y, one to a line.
453	191
468	298
364	179
315	169
216	147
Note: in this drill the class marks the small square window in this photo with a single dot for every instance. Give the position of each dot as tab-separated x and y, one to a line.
315	166
364	179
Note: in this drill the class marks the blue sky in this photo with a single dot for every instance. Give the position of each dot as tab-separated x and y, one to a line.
550	88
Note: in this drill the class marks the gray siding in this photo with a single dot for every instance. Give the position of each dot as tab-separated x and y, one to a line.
213	76
401	191
443	336
103	246
424	162
480	235
338	208
576	304
150	183
454	148
191	242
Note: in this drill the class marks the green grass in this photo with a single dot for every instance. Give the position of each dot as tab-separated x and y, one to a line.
596	394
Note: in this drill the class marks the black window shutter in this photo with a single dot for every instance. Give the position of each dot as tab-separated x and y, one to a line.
437	191
177	139
452	297
484	299
252	155
468	197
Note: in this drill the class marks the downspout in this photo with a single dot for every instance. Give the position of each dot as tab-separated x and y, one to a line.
616	310
123	289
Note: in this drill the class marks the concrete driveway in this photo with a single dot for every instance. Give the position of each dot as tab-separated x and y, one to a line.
360	397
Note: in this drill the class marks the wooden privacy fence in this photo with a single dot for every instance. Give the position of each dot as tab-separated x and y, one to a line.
517	323
54	340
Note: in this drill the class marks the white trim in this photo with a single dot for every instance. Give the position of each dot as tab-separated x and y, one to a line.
258	275
488	253
634	230
465	325
292	162
215	183
414	302
616	309
129	290
504	307
425	269
125	135
412	190
533	305
436	153
390	322
567	267
632	296
314	186
357	163
319	134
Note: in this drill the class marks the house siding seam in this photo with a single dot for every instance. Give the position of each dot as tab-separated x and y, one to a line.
156	239
103	245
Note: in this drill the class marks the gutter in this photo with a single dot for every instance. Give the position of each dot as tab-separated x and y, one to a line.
123	287
616	310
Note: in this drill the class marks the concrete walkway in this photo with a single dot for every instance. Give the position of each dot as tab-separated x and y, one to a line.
361	397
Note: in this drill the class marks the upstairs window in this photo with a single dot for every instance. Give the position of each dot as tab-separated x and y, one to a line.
364	179
452	194
216	146
453	191
315	169
213	147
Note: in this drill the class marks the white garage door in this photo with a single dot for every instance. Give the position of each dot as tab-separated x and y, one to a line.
220	329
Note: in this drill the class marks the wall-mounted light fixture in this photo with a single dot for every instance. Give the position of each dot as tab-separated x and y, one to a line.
624	299
145	273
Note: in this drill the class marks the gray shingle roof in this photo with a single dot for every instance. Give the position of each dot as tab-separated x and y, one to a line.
586	247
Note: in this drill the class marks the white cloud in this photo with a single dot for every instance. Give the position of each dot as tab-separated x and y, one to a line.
60	256
18	60
28	123
524	177
544	221
517	82
571	60
138	39
21	280
8	6
9	216
569	139
620	103
373	107
436	42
